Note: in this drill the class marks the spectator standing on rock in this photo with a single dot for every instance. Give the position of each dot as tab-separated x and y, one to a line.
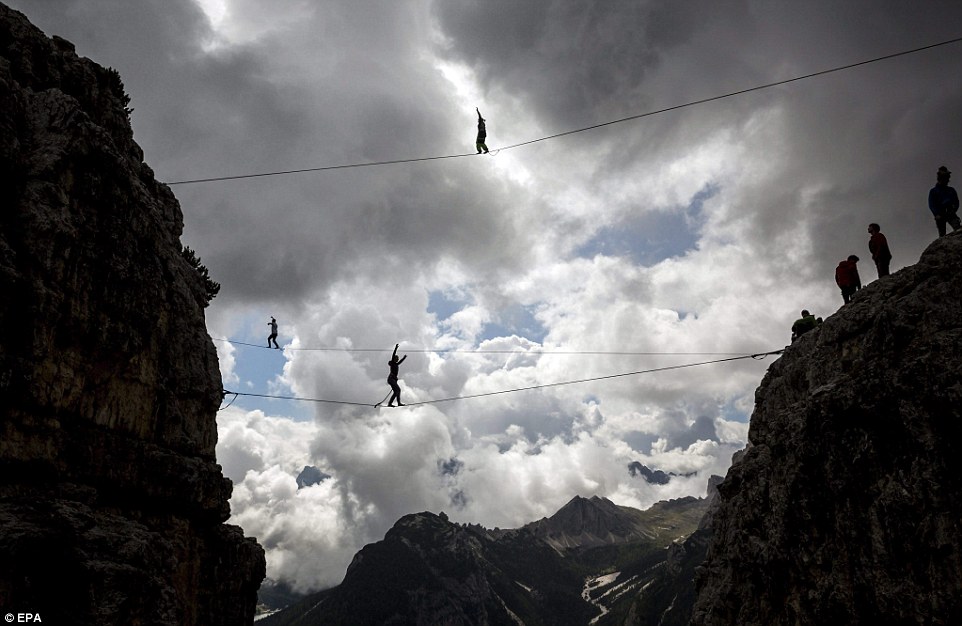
944	202
879	247
847	278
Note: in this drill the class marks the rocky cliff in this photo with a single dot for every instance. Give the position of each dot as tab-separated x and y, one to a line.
846	507
111	502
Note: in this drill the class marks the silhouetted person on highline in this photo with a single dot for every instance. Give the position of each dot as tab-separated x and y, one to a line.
879	247
847	278
273	335
944	202
392	377
482	133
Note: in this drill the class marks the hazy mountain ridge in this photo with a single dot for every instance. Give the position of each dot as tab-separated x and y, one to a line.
655	477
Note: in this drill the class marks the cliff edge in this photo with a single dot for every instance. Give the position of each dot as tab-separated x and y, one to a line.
111	502
847	506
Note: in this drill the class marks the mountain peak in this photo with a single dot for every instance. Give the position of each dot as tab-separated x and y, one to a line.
581	501
594	521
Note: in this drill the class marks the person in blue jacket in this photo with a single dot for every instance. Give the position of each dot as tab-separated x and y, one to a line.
944	202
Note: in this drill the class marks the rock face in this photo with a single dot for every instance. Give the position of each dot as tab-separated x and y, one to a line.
111	502
847	506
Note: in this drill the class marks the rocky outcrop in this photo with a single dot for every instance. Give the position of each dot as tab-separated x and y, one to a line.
111	502
846	507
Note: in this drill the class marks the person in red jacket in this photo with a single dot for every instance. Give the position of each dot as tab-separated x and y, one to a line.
847	278
879	248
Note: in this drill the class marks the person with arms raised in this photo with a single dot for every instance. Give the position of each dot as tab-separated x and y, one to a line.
394	364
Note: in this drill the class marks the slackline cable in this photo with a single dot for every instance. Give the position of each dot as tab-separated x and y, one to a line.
578	130
504	391
467	351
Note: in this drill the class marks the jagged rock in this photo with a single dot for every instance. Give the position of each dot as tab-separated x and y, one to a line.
845	509
111	502
714	498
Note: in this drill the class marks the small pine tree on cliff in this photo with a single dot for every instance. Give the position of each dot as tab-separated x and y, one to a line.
211	287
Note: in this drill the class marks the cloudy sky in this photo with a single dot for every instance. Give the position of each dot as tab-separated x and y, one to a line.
701	230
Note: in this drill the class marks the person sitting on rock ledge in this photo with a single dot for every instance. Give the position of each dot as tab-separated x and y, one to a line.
804	324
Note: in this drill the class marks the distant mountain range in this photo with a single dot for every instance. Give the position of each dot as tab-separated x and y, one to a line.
590	562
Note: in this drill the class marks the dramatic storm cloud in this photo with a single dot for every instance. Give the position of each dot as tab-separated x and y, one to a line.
699	232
